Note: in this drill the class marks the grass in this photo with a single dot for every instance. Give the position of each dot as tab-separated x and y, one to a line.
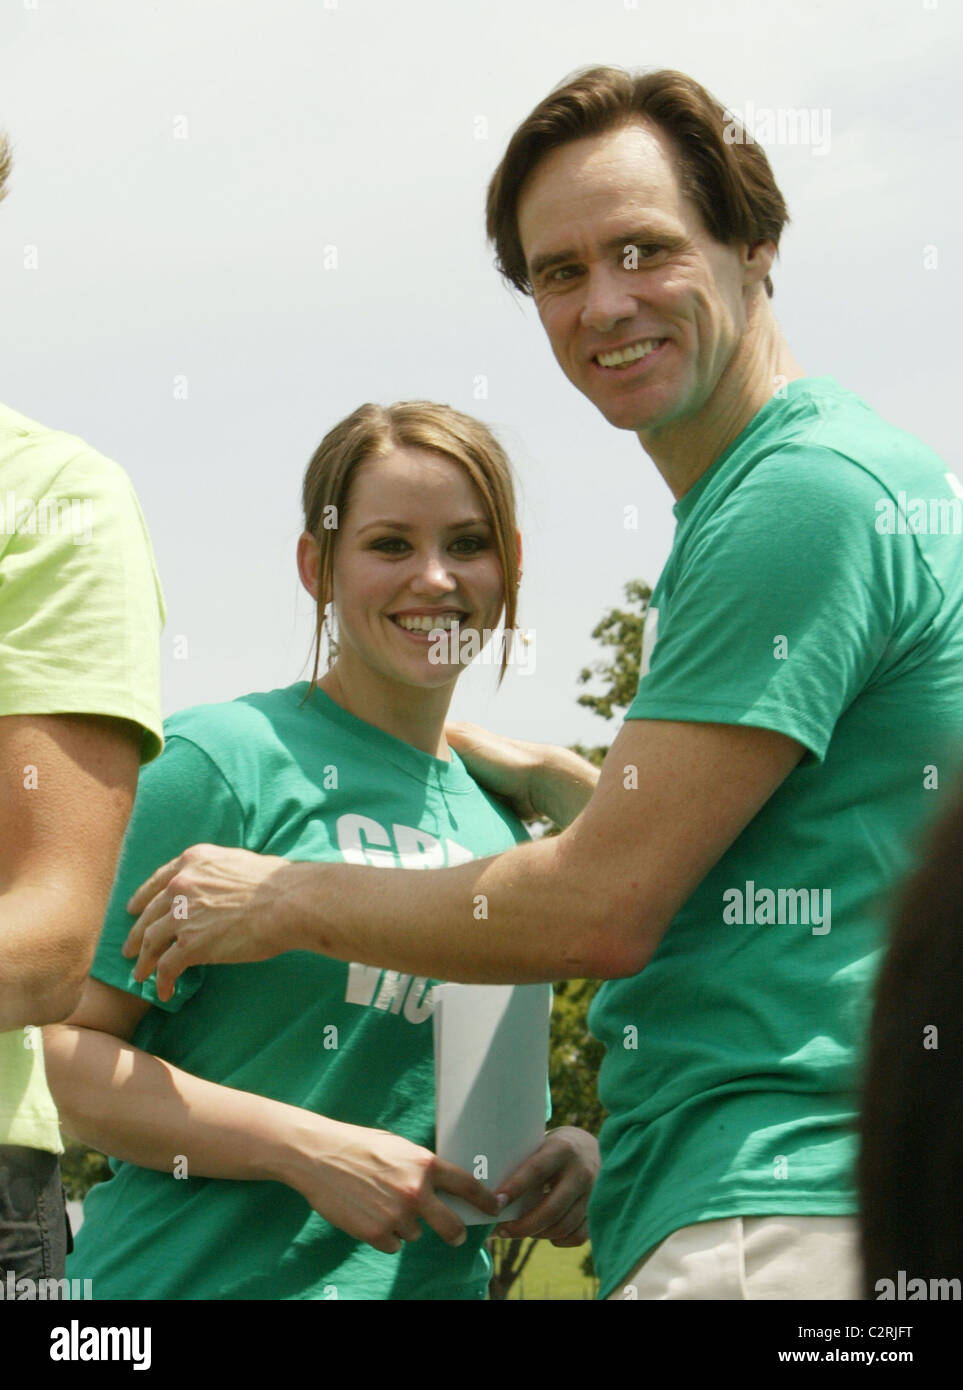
553	1273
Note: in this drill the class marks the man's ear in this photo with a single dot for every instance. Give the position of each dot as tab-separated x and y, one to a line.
309	562
757	262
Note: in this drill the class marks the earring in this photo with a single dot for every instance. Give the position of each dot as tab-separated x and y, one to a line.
328	629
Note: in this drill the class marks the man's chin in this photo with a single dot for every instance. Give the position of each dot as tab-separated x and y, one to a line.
629	417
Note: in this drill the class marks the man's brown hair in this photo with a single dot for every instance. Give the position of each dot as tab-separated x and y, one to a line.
729	179
6	159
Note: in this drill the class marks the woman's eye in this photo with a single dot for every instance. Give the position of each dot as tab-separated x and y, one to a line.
463	545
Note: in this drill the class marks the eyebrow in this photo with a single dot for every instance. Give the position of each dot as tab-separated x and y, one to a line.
634	238
405	526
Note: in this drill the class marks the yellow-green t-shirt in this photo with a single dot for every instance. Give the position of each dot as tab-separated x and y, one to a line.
81	610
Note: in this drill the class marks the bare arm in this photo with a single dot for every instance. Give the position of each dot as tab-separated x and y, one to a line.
68	784
592	902
141	1109
537	779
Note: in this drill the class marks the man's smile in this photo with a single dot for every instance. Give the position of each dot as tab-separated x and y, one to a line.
621	359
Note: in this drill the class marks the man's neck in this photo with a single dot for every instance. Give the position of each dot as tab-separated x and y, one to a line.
683	449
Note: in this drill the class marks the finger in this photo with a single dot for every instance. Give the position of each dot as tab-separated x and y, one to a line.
555	1208
156	910
545	1214
535	1172
406	1231
158	931
388	1245
450	1178
566	1226
158	880
442	1220
578	1237
170	967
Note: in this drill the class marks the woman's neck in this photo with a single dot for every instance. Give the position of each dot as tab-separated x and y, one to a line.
410	713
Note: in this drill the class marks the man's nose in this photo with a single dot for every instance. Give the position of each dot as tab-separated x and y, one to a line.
607	299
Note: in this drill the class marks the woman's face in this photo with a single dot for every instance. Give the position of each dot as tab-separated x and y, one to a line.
415	552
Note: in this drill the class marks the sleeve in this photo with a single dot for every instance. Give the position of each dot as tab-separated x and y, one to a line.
783	607
182	799
81	608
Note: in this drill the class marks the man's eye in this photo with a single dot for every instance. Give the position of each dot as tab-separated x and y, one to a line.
562	273
636	252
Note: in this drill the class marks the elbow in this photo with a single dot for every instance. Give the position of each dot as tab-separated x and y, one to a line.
613	931
63	1001
56	988
57	1002
620	946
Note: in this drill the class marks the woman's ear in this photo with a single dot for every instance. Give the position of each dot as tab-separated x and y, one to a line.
309	562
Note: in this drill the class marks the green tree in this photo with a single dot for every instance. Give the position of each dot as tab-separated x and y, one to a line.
81	1168
620	630
574	1055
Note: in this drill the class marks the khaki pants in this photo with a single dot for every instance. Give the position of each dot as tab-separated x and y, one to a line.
752	1257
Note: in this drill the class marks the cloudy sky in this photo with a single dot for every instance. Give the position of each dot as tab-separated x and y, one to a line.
183	169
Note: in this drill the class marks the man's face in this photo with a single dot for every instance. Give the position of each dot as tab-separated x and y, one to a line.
643	308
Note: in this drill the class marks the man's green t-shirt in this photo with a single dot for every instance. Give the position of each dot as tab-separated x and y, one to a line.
309	782
81	612
815	588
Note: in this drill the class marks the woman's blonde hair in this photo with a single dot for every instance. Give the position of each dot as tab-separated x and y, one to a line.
372	431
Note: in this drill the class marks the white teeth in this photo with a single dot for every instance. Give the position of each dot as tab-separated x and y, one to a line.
632	353
428	624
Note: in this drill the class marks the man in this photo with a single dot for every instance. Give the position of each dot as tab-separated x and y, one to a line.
80	616
799	707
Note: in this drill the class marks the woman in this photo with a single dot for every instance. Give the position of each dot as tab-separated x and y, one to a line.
271	1123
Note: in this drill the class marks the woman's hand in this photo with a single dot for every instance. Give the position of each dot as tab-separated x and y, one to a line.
536	779
376	1186
564	1170
503	766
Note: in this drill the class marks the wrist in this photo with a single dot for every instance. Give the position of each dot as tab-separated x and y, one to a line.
300	1148
561	783
294	905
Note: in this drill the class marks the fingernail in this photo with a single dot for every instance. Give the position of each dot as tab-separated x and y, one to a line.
502	1199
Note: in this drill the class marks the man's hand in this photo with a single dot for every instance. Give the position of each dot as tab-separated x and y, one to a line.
564	1170
210	905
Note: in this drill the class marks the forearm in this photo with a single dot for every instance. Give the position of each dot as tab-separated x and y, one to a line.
45	951
562	784
139	1108
531	914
